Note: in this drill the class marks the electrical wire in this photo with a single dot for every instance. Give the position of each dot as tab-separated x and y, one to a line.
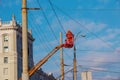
94	69
57	19
46	47
38	35
83	26
56	16
43	37
98	37
89	9
100	61
47	20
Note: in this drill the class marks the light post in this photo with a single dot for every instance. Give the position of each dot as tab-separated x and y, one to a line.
74	59
74	66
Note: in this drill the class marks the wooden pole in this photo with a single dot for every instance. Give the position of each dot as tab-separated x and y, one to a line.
61	58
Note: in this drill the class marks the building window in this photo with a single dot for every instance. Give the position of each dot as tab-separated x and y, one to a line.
5	48
5	59
5	37
5	71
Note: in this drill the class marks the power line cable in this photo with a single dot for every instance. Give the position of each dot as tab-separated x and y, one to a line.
83	26
43	36
95	50
47	20
41	30
46	47
94	69
56	16
57	19
89	9
100	61
38	35
36	29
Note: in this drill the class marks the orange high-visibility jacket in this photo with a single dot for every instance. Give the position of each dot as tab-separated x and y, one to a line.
69	42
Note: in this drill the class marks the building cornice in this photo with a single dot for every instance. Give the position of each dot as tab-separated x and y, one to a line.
19	29
9	28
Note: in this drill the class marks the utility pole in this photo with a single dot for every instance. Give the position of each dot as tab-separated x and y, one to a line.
61	58
25	75
74	67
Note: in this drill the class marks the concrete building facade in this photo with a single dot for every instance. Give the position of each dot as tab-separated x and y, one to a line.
86	75
11	52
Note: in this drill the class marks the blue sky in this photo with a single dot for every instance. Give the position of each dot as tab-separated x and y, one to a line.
99	20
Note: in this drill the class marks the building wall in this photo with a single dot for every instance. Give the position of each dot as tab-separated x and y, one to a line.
11	49
86	75
8	53
83	76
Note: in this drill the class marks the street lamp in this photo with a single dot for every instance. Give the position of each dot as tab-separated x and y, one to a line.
74	59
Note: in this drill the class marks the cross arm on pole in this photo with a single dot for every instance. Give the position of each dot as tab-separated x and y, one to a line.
32	8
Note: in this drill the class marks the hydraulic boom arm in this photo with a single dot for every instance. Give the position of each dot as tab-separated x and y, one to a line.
69	42
41	62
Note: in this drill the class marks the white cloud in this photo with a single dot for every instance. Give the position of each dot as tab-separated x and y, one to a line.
10	3
100	58
92	26
71	25
97	68
38	20
113	31
111	35
83	25
94	44
108	37
109	77
118	50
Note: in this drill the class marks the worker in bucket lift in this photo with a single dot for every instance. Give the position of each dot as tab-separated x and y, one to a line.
69	42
